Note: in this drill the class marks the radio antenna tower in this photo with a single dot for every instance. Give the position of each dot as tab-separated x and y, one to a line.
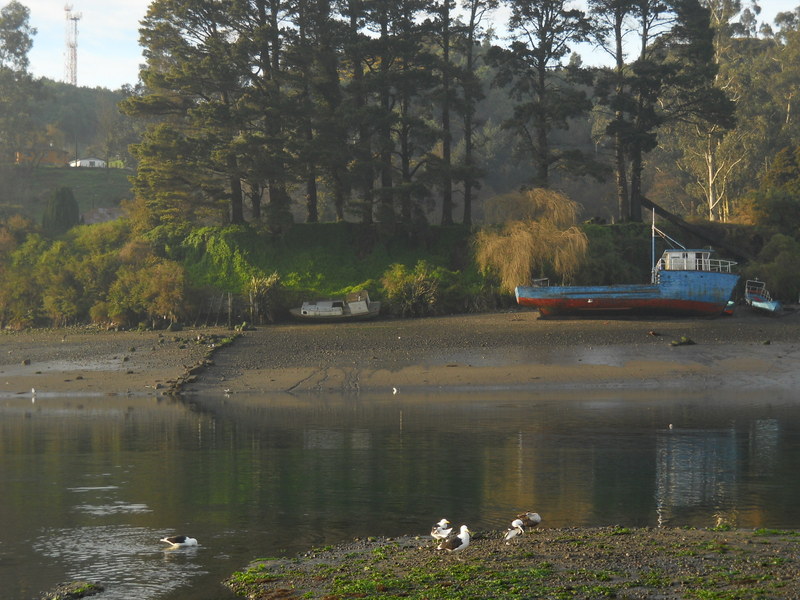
71	63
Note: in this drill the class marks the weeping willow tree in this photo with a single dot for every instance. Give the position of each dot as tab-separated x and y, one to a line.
540	237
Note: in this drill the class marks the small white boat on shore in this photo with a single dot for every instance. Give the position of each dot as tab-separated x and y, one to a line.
355	307
758	297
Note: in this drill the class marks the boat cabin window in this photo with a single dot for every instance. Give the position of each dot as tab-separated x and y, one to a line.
687	260
338	304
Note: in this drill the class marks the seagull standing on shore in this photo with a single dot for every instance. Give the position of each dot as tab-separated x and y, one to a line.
441	530
529	519
516	529
456	543
179	541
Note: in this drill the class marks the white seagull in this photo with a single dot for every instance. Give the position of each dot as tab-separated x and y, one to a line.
179	541
441	530
455	543
516	529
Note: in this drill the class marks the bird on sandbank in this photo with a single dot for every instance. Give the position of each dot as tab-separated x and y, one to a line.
441	530
455	543
529	519
179	541
515	530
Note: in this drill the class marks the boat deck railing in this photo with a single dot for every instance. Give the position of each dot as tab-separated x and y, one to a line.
715	265
757	288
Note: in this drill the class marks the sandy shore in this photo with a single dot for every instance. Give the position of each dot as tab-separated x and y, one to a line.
508	350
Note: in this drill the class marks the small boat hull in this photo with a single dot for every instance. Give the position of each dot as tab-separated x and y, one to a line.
374	311
758	297
355	307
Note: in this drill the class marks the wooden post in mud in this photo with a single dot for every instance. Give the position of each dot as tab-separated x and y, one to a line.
230	309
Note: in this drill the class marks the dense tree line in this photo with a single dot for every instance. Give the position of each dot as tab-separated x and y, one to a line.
277	111
359	104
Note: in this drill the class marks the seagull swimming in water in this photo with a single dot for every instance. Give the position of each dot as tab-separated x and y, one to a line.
516	529
441	530
179	541
456	543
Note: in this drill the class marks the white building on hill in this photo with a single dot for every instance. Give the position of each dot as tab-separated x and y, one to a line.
92	163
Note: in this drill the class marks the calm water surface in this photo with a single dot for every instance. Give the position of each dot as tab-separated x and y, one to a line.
88	486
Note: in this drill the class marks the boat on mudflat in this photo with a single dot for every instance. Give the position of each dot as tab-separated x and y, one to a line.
684	282
355	307
758	297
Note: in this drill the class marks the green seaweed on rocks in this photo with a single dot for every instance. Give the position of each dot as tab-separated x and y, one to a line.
606	562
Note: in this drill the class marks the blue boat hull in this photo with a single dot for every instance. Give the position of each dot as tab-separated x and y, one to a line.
690	293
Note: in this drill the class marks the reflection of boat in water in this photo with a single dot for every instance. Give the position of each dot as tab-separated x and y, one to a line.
757	296
355	307
683	282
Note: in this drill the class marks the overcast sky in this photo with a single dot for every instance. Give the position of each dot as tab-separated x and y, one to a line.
108	38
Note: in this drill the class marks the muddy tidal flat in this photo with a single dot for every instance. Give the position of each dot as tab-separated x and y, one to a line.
510	350
504	350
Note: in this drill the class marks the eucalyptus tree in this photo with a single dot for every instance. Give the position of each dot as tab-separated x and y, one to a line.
759	76
691	97
786	80
671	80
715	156
542	32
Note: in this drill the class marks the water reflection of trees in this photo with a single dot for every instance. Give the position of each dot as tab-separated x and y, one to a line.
345	462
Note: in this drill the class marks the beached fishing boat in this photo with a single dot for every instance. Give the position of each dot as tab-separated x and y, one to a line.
684	282
355	307
758	297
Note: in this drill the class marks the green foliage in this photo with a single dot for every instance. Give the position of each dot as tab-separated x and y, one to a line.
775	205
776	265
61	213
154	291
329	259
774	209
221	257
616	254
94	272
263	296
411	292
